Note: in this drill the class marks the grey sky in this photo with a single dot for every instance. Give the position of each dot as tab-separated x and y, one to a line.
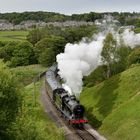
70	6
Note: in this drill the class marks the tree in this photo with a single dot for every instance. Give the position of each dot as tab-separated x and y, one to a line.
108	52
75	34
6	52
23	55
49	48
134	56
2	43
47	58
40	47
35	35
10	99
121	64
122	19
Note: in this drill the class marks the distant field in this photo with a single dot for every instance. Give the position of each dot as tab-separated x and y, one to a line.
13	35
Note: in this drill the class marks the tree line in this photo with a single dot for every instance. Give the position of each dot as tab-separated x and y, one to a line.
125	18
42	45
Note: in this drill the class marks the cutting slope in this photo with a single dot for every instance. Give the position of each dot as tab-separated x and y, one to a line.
114	105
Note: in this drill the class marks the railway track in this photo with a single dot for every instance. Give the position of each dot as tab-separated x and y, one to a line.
84	134
71	133
51	110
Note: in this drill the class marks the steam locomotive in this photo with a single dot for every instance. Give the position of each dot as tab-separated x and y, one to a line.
67	104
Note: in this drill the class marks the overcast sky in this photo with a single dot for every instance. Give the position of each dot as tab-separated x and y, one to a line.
70	6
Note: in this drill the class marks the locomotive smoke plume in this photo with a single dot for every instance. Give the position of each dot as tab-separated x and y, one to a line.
80	59
130	38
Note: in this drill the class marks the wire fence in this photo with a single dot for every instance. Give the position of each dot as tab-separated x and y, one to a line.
35	80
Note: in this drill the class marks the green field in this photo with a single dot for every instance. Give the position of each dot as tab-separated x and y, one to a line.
113	106
13	35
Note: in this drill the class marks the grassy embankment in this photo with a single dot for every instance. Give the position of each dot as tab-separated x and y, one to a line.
13	35
113	106
27	73
34	123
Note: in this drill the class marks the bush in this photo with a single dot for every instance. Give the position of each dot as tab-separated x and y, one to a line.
47	58
10	99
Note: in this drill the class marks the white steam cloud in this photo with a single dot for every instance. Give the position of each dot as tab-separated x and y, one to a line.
130	38
80	59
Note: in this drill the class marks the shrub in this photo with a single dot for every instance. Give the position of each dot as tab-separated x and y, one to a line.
10	99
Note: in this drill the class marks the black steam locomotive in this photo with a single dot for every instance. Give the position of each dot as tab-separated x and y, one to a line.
68	105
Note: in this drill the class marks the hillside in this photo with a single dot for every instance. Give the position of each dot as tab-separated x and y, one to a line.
113	106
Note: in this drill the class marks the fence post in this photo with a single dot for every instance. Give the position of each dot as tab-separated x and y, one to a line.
37	78
34	93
